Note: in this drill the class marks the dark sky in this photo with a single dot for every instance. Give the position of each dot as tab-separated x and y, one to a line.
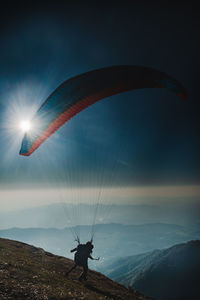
148	137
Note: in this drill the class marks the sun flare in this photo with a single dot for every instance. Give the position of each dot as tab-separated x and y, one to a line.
25	126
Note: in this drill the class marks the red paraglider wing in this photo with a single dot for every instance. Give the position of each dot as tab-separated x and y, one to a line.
77	93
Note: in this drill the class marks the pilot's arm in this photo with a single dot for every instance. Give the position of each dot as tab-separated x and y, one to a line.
73	250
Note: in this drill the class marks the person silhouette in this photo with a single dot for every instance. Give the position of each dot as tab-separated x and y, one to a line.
83	252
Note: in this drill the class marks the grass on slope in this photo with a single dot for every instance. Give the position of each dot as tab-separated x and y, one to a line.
27	272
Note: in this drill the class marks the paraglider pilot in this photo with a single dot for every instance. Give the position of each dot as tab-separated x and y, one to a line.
83	252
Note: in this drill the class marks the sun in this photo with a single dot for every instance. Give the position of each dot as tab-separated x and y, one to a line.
25	126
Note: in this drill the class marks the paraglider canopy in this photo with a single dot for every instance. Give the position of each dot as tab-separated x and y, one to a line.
77	93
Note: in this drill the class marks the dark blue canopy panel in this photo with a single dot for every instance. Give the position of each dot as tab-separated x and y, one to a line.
77	93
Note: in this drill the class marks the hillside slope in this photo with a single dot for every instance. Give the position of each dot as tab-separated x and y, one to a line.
27	272
170	274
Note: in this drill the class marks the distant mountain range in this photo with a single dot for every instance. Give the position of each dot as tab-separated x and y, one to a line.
29	273
60	215
110	240
169	274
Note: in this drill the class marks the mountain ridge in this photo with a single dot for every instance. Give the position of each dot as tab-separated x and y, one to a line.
127	240
167	274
